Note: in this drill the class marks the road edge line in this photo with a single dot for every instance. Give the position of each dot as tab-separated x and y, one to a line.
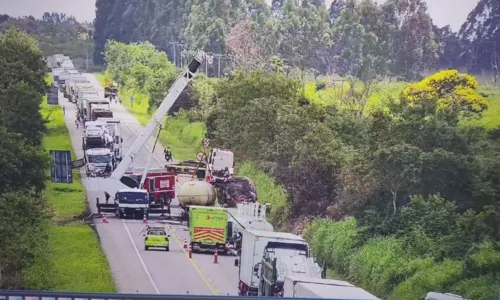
140	258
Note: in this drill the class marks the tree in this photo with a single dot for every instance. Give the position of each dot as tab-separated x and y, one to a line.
306	34
209	24
416	46
241	45
446	91
22	85
397	168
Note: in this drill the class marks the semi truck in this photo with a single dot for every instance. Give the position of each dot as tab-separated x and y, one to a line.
247	216
255	244
208	228
443	296
97	159
274	268
317	288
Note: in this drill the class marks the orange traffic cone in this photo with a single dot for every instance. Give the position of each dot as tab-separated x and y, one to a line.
215	257
190	253
185	244
104	220
144	220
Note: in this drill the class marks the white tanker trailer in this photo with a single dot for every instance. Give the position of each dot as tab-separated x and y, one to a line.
196	192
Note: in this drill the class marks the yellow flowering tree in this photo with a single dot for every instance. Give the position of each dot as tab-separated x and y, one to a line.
446	90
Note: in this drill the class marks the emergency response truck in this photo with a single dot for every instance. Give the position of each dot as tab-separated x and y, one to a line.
208	228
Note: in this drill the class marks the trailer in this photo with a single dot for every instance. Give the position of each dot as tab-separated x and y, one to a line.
254	244
275	267
247	216
306	287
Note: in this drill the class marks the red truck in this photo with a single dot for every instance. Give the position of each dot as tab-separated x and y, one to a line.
160	184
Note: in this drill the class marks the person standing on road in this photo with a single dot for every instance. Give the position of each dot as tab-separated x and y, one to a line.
77	123
64	110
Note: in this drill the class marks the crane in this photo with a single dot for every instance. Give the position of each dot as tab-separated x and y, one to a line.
156	120
113	185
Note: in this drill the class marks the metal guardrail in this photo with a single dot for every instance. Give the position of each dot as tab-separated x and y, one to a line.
38	295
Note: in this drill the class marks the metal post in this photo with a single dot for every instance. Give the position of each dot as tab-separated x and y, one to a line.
175	56
218	67
206	65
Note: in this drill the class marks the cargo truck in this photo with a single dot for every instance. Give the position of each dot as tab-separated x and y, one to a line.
304	287
254	244
443	296
247	216
208	228
274	267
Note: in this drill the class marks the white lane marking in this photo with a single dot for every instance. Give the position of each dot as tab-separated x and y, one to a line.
140	258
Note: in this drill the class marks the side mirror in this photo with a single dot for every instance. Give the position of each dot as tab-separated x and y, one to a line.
236	263
143	234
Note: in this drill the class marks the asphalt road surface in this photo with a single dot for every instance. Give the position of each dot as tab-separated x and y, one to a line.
153	271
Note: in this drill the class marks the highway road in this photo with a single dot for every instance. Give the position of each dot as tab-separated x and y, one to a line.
153	271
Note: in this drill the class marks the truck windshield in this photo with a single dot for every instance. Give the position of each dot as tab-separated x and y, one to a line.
133	198
99	159
222	160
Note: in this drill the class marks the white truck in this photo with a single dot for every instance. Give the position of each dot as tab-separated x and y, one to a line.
307	287
254	244
443	296
97	160
246	216
132	203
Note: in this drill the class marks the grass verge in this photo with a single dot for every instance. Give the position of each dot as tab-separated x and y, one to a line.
74	260
181	135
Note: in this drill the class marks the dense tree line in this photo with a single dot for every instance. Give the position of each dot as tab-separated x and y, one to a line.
359	38
23	162
407	191
56	33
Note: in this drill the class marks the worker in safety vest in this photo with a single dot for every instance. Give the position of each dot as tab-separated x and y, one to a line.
168	154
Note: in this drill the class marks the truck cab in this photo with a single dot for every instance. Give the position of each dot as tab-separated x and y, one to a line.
97	159
217	163
208	228
132	203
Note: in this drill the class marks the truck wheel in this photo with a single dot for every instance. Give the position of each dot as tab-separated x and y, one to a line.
146	248
167	248
121	215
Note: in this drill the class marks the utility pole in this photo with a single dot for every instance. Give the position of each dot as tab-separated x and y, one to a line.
173	46
218	55
182	47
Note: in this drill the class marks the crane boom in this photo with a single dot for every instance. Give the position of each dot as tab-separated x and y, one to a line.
173	94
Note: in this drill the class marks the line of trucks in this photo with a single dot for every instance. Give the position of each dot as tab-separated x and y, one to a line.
221	210
101	140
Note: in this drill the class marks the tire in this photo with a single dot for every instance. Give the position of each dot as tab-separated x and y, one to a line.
146	248
167	248
121	215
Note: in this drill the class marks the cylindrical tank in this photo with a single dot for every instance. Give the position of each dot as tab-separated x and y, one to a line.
196	193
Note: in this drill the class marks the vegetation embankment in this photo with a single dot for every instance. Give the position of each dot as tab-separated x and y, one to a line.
77	262
43	244
402	183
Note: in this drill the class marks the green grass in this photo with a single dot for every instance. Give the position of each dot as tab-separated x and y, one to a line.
181	135
74	260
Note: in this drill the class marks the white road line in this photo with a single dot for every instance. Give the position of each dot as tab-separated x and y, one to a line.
140	258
